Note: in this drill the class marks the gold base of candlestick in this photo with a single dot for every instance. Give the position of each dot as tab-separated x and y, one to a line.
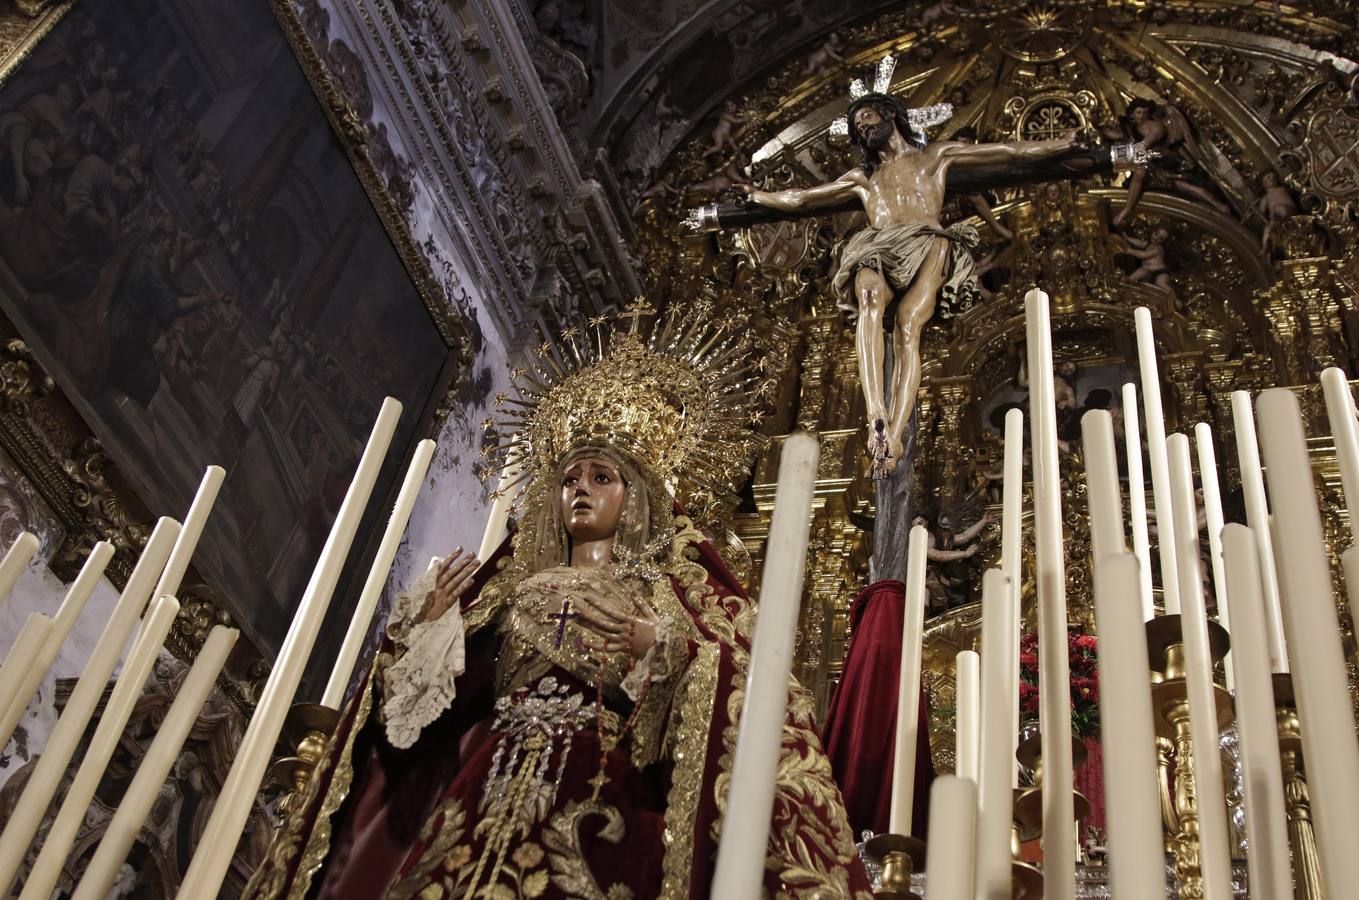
1029	810
308	727
899	855
1026	879
1164	632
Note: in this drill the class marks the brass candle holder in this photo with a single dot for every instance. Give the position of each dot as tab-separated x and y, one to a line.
1170	701
308	727
1297	799
900	856
1028	811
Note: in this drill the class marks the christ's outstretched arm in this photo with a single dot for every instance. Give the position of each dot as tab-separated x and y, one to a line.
844	188
1015	151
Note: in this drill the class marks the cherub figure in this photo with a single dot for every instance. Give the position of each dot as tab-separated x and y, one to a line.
724	180
1152	253
945	548
1160	129
1274	205
937	14
727	121
826	57
664	189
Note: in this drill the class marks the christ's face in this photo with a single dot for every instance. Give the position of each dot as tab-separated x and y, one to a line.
875	131
592	497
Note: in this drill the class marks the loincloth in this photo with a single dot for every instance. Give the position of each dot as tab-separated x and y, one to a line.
896	253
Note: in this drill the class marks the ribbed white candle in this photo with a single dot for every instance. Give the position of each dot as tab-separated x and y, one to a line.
1329	740
750	800
1000	685
951	854
1137	499
1257	517
1212	514
1266	827
967	726
17	558
1156	452
1012	557
1214	850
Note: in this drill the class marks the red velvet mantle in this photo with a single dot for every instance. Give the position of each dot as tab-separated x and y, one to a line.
861	723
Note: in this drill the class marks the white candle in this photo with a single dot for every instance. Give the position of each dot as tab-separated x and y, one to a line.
1329	742
967	727
998	689
1156	452
15	561
750	800
950	856
26	679
1340	410
1127	733
223	831
498	523
42	878
160	758
19	661
1012	558
907	732
1212	514
1214	851
377	576
1137	499
194	520
1257	517
61	744
1266	829
1101	479
1054	676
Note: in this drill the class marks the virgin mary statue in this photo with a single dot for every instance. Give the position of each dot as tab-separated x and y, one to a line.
560	721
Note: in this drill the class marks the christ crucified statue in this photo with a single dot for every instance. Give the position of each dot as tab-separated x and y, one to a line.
905	256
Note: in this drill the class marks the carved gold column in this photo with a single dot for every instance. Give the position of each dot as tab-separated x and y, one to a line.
1297	800
1279	307
1185	372
816	365
954	394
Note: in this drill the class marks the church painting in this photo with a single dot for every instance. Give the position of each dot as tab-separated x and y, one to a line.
189	250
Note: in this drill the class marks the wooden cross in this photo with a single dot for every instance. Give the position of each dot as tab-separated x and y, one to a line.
561	618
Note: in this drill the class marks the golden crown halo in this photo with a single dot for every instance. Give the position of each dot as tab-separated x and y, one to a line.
680	394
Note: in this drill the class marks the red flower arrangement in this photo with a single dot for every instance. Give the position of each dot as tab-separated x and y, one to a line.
1081	651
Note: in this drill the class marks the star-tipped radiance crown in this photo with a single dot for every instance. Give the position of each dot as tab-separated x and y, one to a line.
680	395
920	117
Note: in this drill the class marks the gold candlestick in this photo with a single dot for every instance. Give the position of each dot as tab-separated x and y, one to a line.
899	855
1028	813
1170	699
1298	803
308	727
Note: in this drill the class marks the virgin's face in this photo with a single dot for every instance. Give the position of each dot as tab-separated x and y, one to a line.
592	499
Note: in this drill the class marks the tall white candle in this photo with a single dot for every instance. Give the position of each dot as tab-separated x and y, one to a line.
998	688
951	854
1137	499
750	800
377	575
1156	452
25	650
1101	479
1257	517
194	521
26	680
1340	410
1329	741
61	744
1214	850
907	733
1266	829
16	560
1127	733
223	831
1212	514
1054	676
967	728
1012	558
136	804
42	878
498	523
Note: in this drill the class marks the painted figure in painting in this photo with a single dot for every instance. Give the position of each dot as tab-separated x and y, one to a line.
559	722
905	261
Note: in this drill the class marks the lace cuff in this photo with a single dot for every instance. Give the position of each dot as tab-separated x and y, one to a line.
419	687
655	665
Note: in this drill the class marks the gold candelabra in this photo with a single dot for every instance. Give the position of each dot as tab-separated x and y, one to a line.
308	727
900	856
1175	746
